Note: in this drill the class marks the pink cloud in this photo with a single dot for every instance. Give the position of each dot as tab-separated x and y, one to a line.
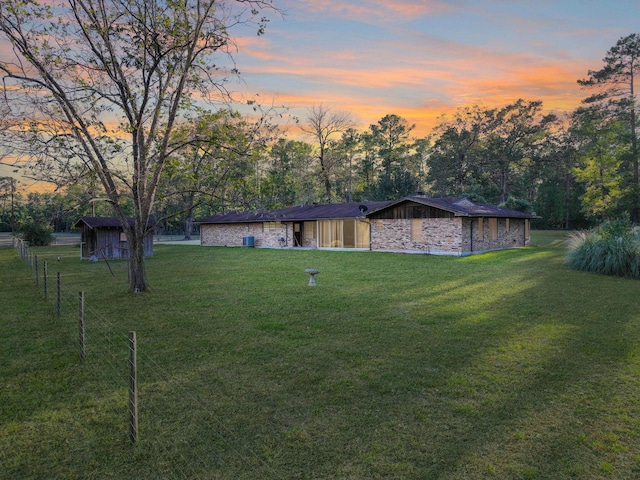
372	9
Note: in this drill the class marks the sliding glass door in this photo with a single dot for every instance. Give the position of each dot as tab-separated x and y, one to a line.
347	233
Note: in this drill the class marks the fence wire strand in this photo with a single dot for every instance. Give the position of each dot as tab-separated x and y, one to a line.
107	349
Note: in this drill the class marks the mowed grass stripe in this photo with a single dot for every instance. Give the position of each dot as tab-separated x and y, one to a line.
503	365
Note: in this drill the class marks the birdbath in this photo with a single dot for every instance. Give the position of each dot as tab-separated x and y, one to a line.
312	275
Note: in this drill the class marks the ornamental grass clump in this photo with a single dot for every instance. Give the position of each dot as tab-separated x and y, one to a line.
611	249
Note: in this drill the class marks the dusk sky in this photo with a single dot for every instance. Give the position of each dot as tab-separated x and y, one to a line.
422	58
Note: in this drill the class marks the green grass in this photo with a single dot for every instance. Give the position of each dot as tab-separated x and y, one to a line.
506	365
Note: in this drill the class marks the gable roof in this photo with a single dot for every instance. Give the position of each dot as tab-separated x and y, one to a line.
104	222
461	207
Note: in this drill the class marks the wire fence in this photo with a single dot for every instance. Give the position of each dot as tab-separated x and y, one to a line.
139	391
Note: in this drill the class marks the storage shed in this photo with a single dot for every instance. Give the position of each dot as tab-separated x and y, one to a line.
104	237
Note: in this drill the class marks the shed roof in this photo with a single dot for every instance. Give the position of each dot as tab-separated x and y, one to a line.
461	207
104	222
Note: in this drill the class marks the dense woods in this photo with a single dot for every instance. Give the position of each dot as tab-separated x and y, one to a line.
575	169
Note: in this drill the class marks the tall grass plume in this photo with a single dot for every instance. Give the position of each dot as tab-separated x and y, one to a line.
613	248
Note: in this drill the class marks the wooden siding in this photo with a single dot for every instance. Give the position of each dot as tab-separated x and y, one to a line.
408	210
109	242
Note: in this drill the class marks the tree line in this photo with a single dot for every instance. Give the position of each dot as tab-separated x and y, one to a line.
124	107
573	170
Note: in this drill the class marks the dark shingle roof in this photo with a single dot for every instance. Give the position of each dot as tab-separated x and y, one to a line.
93	222
300	213
463	207
328	211
459	206
102	222
238	217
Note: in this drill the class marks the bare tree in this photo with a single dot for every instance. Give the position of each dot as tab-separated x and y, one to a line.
104	83
214	162
322	124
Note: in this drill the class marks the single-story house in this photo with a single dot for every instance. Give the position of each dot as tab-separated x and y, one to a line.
104	237
440	226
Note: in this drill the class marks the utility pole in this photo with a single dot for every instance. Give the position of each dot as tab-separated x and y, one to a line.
12	190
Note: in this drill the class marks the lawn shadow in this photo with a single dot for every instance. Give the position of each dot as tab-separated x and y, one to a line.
527	389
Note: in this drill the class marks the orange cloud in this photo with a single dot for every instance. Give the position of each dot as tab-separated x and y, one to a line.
532	52
431	90
410	66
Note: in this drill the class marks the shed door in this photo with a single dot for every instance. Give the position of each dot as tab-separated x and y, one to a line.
90	242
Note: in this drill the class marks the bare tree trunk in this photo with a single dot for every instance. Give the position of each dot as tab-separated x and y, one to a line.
137	274
188	225
322	124
326	179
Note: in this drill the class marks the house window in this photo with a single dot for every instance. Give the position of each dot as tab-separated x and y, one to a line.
526	228
379	225
493	229
123	237
416	229
269	226
310	231
480	229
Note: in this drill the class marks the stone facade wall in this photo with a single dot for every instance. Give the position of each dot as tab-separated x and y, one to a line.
439	235
513	237
447	236
443	236
230	235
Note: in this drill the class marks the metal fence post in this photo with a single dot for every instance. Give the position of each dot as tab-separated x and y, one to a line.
133	389
44	279
83	352
58	298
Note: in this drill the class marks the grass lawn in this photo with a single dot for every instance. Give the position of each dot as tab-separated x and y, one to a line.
505	365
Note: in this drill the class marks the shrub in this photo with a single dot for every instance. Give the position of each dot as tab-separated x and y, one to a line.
611	249
519	204
474	197
36	235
